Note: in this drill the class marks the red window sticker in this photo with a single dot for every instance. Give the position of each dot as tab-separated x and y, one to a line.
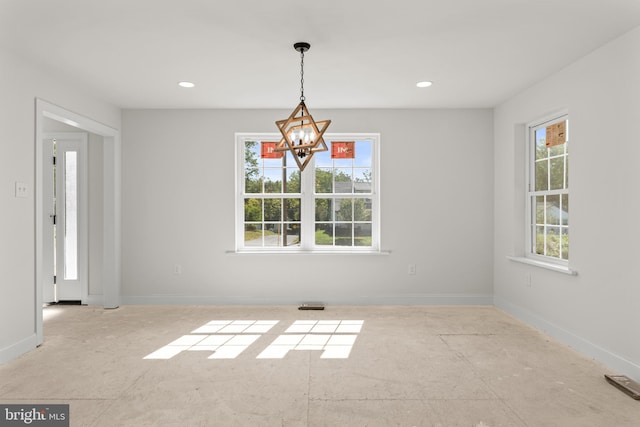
268	151
343	150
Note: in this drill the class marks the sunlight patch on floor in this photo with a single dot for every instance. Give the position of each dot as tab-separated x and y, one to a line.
333	346
51	312
227	339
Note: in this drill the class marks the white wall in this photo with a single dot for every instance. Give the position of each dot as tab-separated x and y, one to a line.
597	310
178	208
20	84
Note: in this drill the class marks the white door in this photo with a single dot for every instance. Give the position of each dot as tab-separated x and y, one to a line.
48	220
65	216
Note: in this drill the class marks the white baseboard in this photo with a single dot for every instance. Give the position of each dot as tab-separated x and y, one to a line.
611	360
443	299
18	349
480	299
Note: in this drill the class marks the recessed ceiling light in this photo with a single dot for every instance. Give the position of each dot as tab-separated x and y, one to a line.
186	84
424	84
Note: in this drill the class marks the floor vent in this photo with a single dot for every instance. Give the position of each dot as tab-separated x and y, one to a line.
70	302
311	306
625	384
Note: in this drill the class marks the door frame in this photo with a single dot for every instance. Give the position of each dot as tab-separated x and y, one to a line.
111	230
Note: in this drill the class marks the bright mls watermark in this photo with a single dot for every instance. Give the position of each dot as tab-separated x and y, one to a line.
34	415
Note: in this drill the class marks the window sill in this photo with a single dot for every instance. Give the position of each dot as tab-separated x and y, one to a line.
546	265
308	252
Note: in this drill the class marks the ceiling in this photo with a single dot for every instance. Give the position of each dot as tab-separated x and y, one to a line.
364	54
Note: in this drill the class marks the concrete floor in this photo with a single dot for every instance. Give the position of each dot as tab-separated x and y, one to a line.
408	366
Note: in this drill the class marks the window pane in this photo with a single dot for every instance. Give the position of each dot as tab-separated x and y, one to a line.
252	181
363	154
71	215
251	154
253	234
344	209
362	180
344	235
293	181
272	163
542	175
565	209
273	180
539	207
292	209
343	163
253	209
539	240
557	173
324	180
292	234
362	209
324	234
552	243
556	150
565	243
324	209
362	234
289	159
553	210
566	171
343	180
273	209
323	158
541	147
273	235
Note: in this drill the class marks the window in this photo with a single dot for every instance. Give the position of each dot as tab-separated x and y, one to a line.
548	195
331	206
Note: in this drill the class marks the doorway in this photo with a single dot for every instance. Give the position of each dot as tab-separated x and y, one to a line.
110	266
65	240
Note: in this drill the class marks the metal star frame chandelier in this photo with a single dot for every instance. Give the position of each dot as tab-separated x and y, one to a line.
300	133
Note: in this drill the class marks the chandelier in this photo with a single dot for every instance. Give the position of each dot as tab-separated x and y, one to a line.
300	133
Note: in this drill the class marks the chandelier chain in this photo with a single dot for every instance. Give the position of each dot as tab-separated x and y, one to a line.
302	98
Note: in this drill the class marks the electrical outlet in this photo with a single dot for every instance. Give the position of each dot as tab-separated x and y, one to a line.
177	269
412	270
21	190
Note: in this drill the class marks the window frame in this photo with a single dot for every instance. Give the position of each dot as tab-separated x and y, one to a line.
531	192
308	197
